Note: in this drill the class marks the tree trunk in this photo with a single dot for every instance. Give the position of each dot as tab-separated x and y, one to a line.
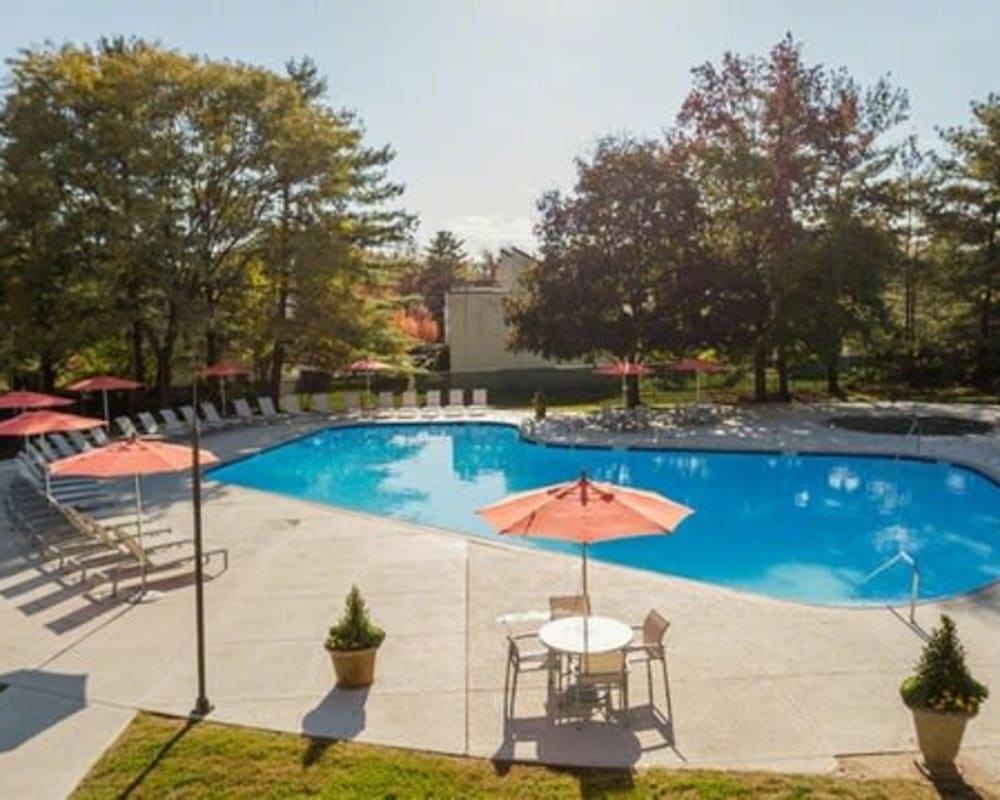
760	374
47	373
781	365
277	361
164	375
138	359
833	377
631	391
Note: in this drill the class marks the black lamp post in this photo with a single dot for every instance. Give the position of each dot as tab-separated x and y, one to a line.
202	706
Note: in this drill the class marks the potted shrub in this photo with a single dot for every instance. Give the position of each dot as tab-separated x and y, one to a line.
942	695
540	406
353	642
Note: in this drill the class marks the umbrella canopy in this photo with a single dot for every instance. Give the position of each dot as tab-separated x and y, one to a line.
103	384
584	511
224	369
132	457
697	366
35	423
24	400
370	365
622	368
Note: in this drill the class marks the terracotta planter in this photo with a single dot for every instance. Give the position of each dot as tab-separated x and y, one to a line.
354	668
939	734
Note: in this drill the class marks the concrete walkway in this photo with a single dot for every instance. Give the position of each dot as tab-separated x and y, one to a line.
753	682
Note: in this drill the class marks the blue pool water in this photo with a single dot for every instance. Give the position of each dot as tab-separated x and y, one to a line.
804	528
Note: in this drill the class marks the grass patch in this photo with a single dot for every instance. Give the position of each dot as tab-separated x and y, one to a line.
163	757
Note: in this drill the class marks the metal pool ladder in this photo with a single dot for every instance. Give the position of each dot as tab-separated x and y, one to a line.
906	558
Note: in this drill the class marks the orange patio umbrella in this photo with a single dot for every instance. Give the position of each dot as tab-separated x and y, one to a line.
623	369
22	400
368	366
585	512
104	384
35	423
133	457
223	370
697	366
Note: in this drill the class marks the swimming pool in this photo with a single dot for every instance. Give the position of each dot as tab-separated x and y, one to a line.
800	527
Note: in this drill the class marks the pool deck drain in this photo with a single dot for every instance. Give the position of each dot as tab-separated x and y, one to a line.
755	683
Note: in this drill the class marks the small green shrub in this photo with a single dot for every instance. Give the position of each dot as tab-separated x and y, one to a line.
942	681
354	630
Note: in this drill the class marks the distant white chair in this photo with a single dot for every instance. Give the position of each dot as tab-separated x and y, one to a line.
190	415
100	436
171	424
62	446
432	402
212	418
478	405
408	405
386	404
268	411
126	426
79	441
148	423
321	403
352	403
244	412
290	404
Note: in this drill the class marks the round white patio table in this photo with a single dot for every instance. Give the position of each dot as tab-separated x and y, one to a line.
603	635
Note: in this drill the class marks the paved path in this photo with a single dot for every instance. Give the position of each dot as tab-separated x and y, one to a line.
753	682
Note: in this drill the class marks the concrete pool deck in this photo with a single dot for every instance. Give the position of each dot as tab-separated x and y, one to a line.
754	683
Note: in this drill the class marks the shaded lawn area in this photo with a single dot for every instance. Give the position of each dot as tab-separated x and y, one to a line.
164	757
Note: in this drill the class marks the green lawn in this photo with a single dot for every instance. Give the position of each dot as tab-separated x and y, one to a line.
161	757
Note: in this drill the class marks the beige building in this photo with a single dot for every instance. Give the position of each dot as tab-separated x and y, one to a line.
474	324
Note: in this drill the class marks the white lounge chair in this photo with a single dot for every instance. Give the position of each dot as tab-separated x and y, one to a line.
148	423
171	423
62	446
478	405
79	441
321	403
290	404
386	404
408	406
212	417
268	411
456	402
245	413
100	437
190	415
126	426
432	402
352	404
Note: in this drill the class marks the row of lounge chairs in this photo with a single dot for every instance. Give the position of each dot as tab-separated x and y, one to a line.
210	419
90	536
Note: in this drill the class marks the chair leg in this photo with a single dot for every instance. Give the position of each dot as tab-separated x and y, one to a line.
506	691
666	689
513	693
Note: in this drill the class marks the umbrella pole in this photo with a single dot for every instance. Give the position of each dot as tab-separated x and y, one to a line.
202	706
222	390
697	387
107	417
586	600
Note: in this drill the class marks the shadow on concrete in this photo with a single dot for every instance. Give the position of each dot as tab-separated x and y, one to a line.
339	715
34	701
590	743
